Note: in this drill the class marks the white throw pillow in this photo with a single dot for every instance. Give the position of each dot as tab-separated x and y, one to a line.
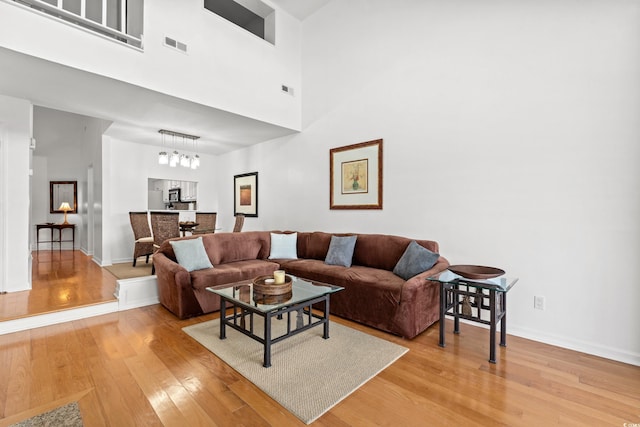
191	254
284	246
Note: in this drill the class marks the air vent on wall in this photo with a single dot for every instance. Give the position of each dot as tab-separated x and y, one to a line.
287	89
168	41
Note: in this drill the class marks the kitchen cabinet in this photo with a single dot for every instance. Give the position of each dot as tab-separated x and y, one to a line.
188	189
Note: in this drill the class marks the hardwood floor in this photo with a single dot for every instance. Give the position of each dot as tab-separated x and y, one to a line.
137	368
60	280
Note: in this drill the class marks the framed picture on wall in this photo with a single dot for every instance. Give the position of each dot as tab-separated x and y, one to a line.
245	194
356	176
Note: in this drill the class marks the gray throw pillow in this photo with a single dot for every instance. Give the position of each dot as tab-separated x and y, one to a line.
191	254
415	260
341	250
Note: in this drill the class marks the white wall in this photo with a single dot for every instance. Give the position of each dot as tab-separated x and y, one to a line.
510	136
62	167
15	134
226	67
125	185
65	146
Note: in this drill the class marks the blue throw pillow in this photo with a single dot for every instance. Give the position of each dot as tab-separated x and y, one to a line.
284	246
191	254
341	250
415	260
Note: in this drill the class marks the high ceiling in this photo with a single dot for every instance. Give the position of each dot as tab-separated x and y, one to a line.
137	113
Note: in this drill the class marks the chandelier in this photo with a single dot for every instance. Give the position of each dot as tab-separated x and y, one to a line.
175	158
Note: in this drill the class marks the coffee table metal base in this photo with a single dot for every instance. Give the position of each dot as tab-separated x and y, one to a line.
238	321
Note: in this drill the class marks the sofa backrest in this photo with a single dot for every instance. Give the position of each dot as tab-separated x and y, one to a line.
372	250
229	247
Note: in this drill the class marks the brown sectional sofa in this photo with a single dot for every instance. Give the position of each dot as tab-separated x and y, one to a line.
373	294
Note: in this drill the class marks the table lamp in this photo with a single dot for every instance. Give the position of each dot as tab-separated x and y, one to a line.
65	207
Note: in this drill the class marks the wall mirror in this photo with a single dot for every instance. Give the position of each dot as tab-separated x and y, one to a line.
63	191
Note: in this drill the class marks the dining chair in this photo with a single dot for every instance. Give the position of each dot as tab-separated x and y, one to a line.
164	226
239	223
143	244
206	223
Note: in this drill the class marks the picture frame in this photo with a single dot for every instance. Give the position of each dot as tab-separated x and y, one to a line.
356	176
245	194
63	191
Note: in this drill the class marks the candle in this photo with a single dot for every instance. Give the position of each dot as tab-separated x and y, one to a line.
278	277
268	281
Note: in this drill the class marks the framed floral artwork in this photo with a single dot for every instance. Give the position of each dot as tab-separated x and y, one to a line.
356	176
245	194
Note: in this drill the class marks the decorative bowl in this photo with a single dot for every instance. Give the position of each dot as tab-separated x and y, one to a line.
476	271
260	298
260	287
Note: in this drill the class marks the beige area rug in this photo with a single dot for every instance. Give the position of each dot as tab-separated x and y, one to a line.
67	416
308	374
127	271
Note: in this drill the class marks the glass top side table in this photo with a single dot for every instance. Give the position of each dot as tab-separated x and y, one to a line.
468	298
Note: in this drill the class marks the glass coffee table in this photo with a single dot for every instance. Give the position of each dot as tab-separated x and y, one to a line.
469	298
246	303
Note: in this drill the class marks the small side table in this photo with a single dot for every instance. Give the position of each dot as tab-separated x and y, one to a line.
482	296
58	227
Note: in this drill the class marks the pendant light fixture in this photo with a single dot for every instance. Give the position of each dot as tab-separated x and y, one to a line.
195	160
175	158
163	157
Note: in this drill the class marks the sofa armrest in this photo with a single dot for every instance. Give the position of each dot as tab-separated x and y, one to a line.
409	287
441	265
424	294
174	287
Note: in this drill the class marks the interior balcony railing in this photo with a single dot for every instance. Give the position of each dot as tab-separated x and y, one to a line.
121	20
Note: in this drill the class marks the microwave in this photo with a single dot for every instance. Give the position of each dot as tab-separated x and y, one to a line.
174	195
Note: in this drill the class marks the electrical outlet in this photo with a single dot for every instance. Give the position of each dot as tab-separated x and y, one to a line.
538	302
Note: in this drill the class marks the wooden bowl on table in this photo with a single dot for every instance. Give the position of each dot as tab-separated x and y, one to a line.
260	287
260	298
478	272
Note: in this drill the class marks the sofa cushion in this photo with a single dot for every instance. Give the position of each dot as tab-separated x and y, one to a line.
191	254
284	246
230	247
315	246
371	295
224	274
415	260
341	250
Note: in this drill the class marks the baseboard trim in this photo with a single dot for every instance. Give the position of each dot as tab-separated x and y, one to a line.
568	343
31	322
577	345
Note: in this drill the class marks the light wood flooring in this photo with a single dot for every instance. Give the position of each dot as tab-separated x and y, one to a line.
60	280
137	368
